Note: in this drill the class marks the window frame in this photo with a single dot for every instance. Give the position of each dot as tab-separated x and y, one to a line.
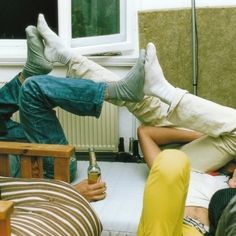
111	44
15	50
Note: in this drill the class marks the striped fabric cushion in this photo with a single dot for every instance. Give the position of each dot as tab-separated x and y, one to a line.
48	208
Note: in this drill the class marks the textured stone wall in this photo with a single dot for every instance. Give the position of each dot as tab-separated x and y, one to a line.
170	31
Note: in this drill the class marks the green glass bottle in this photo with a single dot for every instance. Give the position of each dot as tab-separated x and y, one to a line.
94	171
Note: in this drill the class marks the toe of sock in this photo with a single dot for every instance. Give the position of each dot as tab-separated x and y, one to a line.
31	31
151	49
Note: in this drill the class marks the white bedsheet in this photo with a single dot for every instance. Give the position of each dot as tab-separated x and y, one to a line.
120	211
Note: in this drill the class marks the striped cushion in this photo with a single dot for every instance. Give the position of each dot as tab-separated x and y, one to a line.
46	207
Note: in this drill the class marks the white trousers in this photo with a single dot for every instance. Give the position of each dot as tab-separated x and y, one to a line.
218	123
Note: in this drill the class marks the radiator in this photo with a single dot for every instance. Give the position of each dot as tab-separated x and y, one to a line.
83	132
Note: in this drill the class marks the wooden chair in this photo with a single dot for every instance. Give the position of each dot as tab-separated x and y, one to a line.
31	157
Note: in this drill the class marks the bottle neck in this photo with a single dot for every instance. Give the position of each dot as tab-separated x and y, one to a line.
135	148
131	147
92	159
121	146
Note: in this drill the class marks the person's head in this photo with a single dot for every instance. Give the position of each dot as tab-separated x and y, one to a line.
232	180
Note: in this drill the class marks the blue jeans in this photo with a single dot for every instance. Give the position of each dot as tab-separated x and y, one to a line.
9	98
40	94
9	94
9	104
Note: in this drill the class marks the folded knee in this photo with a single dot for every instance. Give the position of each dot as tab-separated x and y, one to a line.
31	89
143	131
172	163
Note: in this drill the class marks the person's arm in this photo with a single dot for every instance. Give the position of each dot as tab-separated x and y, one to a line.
92	192
150	138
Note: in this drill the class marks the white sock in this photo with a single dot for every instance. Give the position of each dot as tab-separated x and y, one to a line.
55	49
155	83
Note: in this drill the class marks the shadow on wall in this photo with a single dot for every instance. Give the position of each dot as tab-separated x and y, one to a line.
170	31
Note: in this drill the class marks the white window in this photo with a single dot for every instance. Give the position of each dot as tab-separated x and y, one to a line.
88	26
94	26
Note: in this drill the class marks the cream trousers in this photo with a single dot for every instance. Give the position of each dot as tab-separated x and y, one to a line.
217	122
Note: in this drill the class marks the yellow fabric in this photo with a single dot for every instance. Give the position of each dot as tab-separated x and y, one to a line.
164	197
190	231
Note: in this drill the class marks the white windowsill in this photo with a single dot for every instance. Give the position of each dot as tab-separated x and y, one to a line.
110	61
115	60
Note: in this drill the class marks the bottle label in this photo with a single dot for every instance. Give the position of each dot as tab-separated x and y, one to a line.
93	177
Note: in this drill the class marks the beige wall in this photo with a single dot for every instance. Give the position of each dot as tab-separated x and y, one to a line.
170	31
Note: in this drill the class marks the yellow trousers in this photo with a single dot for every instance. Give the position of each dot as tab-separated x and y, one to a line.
164	197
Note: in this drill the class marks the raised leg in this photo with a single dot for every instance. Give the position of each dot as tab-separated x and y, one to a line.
40	94
151	138
149	111
164	195
215	121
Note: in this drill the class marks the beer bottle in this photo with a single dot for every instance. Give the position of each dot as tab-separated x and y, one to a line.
131	146
94	171
136	156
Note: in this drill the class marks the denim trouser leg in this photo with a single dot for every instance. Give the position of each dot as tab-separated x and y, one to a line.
9	97
40	94
9	94
15	132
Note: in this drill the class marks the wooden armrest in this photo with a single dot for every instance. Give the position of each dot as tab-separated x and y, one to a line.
6	208
31	155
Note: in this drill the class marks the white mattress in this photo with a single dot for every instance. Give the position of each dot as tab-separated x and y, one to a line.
120	211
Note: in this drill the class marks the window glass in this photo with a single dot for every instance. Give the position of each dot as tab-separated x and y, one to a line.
16	15
88	26
95	17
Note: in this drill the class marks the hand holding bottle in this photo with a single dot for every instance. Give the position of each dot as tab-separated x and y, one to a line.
92	192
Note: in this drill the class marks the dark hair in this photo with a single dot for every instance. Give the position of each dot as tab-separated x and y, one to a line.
217	204
230	175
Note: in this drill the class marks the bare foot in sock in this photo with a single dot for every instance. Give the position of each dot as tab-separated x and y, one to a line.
55	49
129	88
36	63
155	83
